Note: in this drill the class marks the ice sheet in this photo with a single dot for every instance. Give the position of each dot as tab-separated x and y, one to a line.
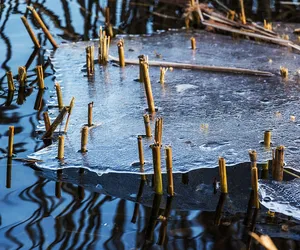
206	115
282	197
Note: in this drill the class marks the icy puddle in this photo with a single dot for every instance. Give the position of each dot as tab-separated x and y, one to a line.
206	115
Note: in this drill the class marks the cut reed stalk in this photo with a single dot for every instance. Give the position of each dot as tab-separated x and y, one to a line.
121	53
43	26
284	72
90	67
59	96
10	81
11	133
46	120
254	177
148	88
169	165
22	75
253	158
141	151
267	138
265	171
223	175
21	96
69	113
147	125
277	170
39	100
61	147
254	180
90	114
243	16
158	130
267	25
40	76
84	139
163	71
56	122
30	32
157	169
103	50
142	59
193	43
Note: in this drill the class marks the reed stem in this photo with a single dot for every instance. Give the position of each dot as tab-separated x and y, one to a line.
121	53
277	171
142	59
223	175
148	88
90	114
103	50
46	120
40	76
84	139
43	26
254	180
193	43
147	125
61	147
11	133
56	122
243	16
69	114
158	130
163	71
170	189
59	96
22	75
157	169
38	105
284	72
254	177
90	67
10	81
267	138
30	32
141	151
253	158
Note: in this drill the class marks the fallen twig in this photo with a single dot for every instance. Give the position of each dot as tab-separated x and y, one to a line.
198	67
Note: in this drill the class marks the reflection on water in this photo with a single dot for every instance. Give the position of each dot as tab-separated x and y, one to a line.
38	213
63	215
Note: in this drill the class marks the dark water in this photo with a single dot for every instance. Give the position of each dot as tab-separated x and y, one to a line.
46	210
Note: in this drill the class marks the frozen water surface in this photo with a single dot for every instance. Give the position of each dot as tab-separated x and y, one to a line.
282	197
206	115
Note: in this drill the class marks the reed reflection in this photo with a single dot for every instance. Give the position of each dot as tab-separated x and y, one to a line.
8	172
